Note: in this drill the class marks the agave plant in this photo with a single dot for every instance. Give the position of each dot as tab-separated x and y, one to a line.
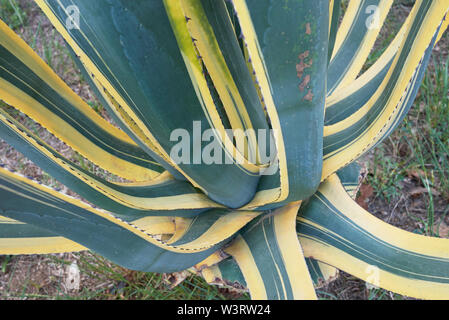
279	225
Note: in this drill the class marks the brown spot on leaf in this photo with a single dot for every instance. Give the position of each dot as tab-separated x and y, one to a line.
308	29
300	69
304	55
301	66
309	96
304	83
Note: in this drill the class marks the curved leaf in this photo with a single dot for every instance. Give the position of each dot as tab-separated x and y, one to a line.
117	240
29	85
288	52
333	229
160	196
21	238
270	257
355	39
350	138
143	89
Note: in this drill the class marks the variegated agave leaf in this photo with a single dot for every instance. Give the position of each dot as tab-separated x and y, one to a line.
288	68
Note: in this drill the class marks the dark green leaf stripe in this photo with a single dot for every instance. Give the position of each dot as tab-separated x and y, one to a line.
21	238
412	92
210	227
333	26
110	109
261	239
88	185
295	59
102	95
352	103
86	43
219	19
22	230
352	43
350	177
348	136
154	82
18	74
314	271
321	273
200	224
243	113
414	86
338	231
271	258
230	272
95	230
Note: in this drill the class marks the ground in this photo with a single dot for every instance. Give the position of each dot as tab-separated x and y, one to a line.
407	184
